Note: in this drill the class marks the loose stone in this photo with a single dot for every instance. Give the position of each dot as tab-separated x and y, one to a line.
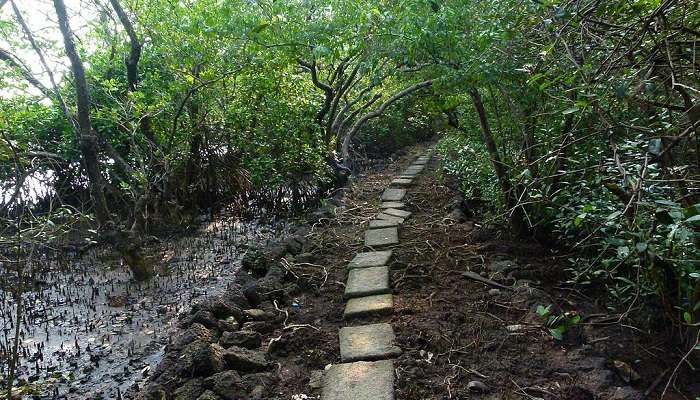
380	304
381	237
370	259
367	281
360	381
402	182
392	204
382	223
388	217
393	194
367	343
397	213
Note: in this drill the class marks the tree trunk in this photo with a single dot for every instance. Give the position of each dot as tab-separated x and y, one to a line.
88	139
516	215
125	243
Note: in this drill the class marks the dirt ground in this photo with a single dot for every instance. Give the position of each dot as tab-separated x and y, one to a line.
462	339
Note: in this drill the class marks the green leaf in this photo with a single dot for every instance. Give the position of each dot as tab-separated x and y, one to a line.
557	333
688	318
655	146
694	220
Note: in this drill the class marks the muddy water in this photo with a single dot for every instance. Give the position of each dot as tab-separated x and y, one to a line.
91	332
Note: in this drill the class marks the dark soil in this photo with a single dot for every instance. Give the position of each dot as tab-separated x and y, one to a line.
462	339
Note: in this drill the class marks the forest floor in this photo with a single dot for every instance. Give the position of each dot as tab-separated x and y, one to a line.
463	339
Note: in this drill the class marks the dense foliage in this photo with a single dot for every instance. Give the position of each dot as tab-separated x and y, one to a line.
576	121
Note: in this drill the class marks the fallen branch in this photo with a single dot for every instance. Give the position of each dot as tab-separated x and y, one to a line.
476	277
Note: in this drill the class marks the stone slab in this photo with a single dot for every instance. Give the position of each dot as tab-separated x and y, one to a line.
367	343
381	237
379	304
359	381
382	223
392	204
392	194
420	162
397	213
370	259
415	168
391	218
367	281
402	182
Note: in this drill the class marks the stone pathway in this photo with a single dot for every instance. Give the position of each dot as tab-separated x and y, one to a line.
366	371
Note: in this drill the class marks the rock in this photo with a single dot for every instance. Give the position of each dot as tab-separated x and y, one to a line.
457	216
316	380
229	324
154	391
381	304
245	339
201	359
255	262
381	237
494	292
208	395
625	371
223	308
367	343
360	380
263	327
191	390
477	386
251	294
196	331
245	360
203	317
625	393
304	258
294	245
227	385
367	281
257	314
371	259
502	266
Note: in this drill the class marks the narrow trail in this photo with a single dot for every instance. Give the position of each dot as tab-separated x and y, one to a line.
420	299
399	290
367	350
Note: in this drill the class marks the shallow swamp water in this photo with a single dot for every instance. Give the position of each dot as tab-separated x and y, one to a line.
89	331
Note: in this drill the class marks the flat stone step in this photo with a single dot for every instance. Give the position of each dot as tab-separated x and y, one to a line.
381	237
392	204
420	162
359	381
370	259
379	304
397	213
393	194
407	176
367	281
402	182
414	169
383	223
367	343
388	217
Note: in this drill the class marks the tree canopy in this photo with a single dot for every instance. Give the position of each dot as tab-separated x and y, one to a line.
575	120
